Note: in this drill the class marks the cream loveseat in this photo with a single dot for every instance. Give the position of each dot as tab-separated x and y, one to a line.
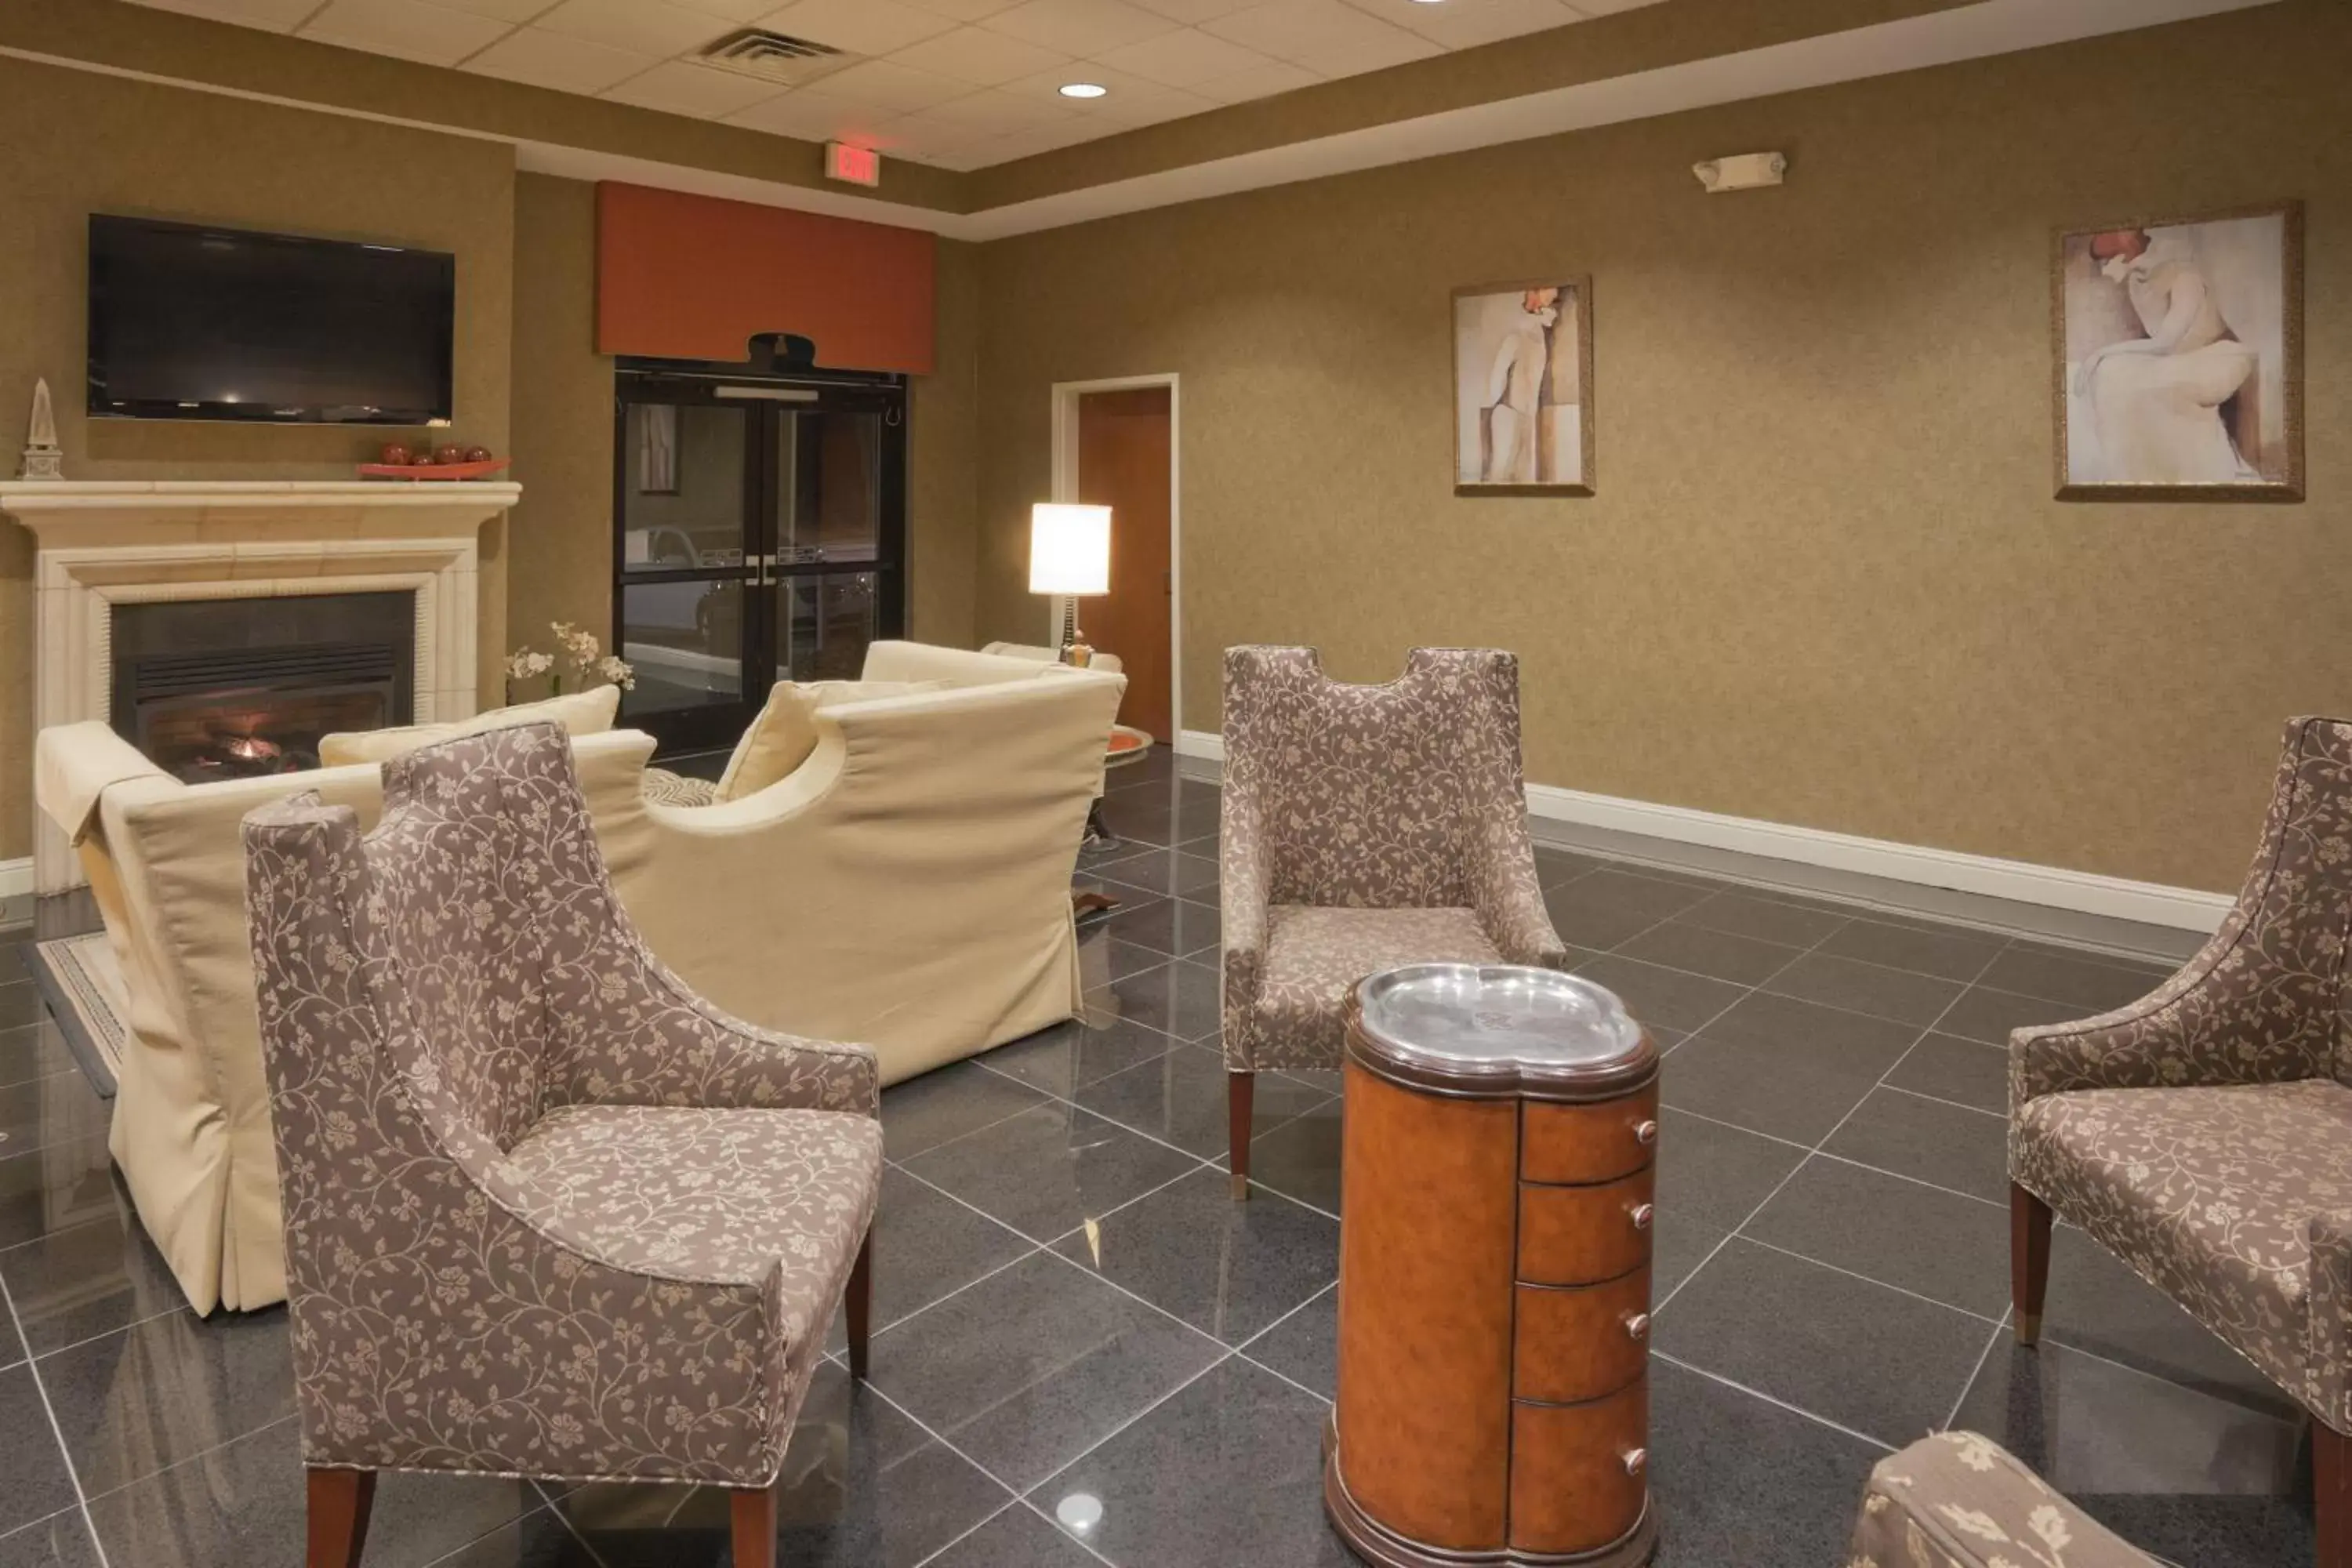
906	887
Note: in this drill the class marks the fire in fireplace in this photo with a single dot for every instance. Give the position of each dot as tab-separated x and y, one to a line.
220	688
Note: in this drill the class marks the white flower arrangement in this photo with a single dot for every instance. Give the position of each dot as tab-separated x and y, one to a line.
583	659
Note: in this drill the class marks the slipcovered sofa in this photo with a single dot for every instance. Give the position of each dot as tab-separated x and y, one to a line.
908	887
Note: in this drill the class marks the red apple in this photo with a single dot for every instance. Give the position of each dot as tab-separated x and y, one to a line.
449	453
478	454
394	454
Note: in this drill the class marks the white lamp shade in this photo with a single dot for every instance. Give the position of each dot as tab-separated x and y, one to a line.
1069	549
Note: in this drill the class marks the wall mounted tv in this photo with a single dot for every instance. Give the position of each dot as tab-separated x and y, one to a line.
188	321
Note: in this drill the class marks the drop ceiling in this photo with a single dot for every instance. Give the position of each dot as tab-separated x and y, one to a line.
961	84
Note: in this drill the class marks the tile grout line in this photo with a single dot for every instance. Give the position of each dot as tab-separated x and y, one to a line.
1768	1399
1867	1280
1900	1176
1018	1498
945	1547
65	1454
1939	1100
1781	1185
1977	1371
1051	1098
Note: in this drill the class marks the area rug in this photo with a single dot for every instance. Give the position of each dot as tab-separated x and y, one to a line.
83	985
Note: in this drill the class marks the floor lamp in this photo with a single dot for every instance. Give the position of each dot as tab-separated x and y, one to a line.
1069	555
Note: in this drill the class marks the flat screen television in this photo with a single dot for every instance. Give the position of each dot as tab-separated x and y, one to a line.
189	322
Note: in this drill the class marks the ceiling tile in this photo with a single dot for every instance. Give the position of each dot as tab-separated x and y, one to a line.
410	29
885	84
648	27
1196	10
558	61
742	12
1298	30
1607	8
1185	57
1079	27
991	111
858	26
1131	100
499	10
814	117
277	16
1257	81
974	55
965	10
683	87
1046	139
1466	24
1356	57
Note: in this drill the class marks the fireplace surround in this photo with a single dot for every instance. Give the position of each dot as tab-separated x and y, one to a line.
104	545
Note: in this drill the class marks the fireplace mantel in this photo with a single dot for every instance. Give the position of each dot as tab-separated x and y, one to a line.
103	542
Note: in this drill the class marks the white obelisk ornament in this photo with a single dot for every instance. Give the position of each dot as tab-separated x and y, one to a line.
43	458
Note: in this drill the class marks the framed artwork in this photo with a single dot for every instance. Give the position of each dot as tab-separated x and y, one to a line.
656	448
2178	351
1523	388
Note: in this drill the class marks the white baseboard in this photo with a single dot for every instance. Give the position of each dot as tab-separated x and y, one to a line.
15	878
1206	745
2052	886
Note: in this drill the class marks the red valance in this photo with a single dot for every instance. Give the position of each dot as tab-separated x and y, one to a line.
688	276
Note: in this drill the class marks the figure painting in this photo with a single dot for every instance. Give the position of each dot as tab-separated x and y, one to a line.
1523	388
2178	350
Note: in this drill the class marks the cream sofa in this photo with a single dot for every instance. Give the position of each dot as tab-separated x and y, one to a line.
906	887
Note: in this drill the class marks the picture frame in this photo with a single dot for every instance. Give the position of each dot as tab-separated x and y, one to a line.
1523	392
2221	419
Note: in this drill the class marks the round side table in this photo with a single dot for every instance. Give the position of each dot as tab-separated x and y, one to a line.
1497	1178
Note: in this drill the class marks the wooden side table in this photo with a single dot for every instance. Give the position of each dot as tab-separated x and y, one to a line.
1493	1273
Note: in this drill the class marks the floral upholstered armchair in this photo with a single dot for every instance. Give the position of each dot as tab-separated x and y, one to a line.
1956	1499
1364	826
2203	1134
547	1213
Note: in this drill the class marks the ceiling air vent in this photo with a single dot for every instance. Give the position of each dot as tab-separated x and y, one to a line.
775	56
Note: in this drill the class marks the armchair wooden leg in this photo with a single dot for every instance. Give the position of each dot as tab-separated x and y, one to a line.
2331	1494
752	1513
2029	1260
1238	1088
339	1504
860	1303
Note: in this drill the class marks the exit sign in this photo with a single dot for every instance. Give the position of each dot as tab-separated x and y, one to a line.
856	165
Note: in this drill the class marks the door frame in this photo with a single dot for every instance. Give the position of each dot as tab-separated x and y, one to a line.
1065	395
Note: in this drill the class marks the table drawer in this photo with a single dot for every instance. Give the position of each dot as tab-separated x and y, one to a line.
1580	1342
1598	1143
1580	1473
1577	1235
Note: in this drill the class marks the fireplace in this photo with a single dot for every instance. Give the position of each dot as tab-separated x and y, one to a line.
223	688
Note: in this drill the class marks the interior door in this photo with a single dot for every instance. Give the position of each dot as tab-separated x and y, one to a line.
1125	448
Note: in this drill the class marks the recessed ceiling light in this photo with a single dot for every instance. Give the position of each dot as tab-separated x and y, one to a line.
1083	89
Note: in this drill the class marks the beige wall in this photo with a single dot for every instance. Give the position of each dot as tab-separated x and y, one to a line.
71	143
1825	581
562	531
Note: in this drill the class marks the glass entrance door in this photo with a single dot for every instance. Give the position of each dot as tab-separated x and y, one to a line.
759	532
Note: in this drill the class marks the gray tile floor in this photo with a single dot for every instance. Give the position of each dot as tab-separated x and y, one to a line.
1085	1353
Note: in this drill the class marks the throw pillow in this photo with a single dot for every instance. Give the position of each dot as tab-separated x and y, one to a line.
784	731
580	712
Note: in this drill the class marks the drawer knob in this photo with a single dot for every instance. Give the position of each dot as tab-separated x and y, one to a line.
1637	1326
1637	1461
1646	1133
1643	1215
